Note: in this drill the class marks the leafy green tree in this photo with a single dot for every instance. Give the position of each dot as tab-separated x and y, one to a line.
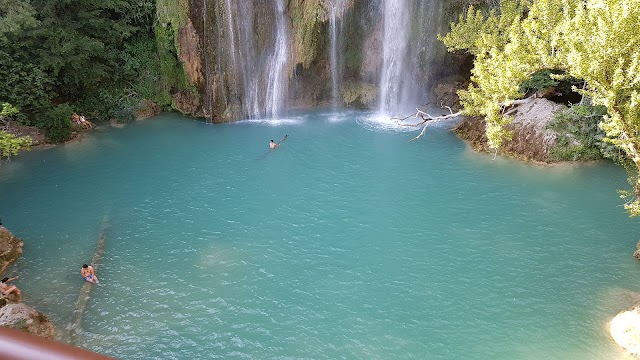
7	111
594	40
9	143
74	51
604	50
15	15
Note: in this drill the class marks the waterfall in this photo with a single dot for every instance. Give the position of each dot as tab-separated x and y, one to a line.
252	49
248	56
409	39
276	88
336	9
395	44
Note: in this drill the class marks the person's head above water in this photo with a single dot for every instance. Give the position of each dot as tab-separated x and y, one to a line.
85	266
272	140
4	280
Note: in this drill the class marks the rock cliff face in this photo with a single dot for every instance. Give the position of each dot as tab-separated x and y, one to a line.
254	59
10	248
636	253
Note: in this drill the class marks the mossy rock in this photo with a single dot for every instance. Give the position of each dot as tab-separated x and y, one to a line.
359	95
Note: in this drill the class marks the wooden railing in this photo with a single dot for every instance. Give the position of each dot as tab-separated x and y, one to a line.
19	345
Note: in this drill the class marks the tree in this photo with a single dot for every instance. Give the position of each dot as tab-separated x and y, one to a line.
604	50
15	15
9	143
594	40
75	51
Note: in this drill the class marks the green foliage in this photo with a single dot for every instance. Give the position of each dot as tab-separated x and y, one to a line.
11	144
539	81
307	17
24	84
579	137
170	67
57	123
8	110
70	51
15	15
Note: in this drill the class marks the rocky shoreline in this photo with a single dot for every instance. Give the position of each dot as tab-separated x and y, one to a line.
531	140
14	313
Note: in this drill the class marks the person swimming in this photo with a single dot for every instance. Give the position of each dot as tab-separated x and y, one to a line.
273	144
88	274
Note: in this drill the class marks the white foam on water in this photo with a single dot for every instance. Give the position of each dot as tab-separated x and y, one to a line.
273	122
338	117
384	122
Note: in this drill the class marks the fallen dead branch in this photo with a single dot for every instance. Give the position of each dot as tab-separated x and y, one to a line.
426	120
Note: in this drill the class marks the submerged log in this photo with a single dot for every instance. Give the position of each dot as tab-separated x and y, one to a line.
83	298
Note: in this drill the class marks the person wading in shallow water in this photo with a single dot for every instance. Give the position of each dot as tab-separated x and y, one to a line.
88	274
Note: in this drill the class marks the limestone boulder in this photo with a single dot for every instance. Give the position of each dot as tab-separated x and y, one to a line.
22	317
636	253
625	330
531	139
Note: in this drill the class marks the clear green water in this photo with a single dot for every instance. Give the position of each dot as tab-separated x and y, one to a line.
347	242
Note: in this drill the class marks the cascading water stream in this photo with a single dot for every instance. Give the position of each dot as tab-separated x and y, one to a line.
336	10
409	43
253	52
276	87
394	53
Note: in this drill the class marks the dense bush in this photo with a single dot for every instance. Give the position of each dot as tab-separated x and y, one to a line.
57	123
580	136
539	81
